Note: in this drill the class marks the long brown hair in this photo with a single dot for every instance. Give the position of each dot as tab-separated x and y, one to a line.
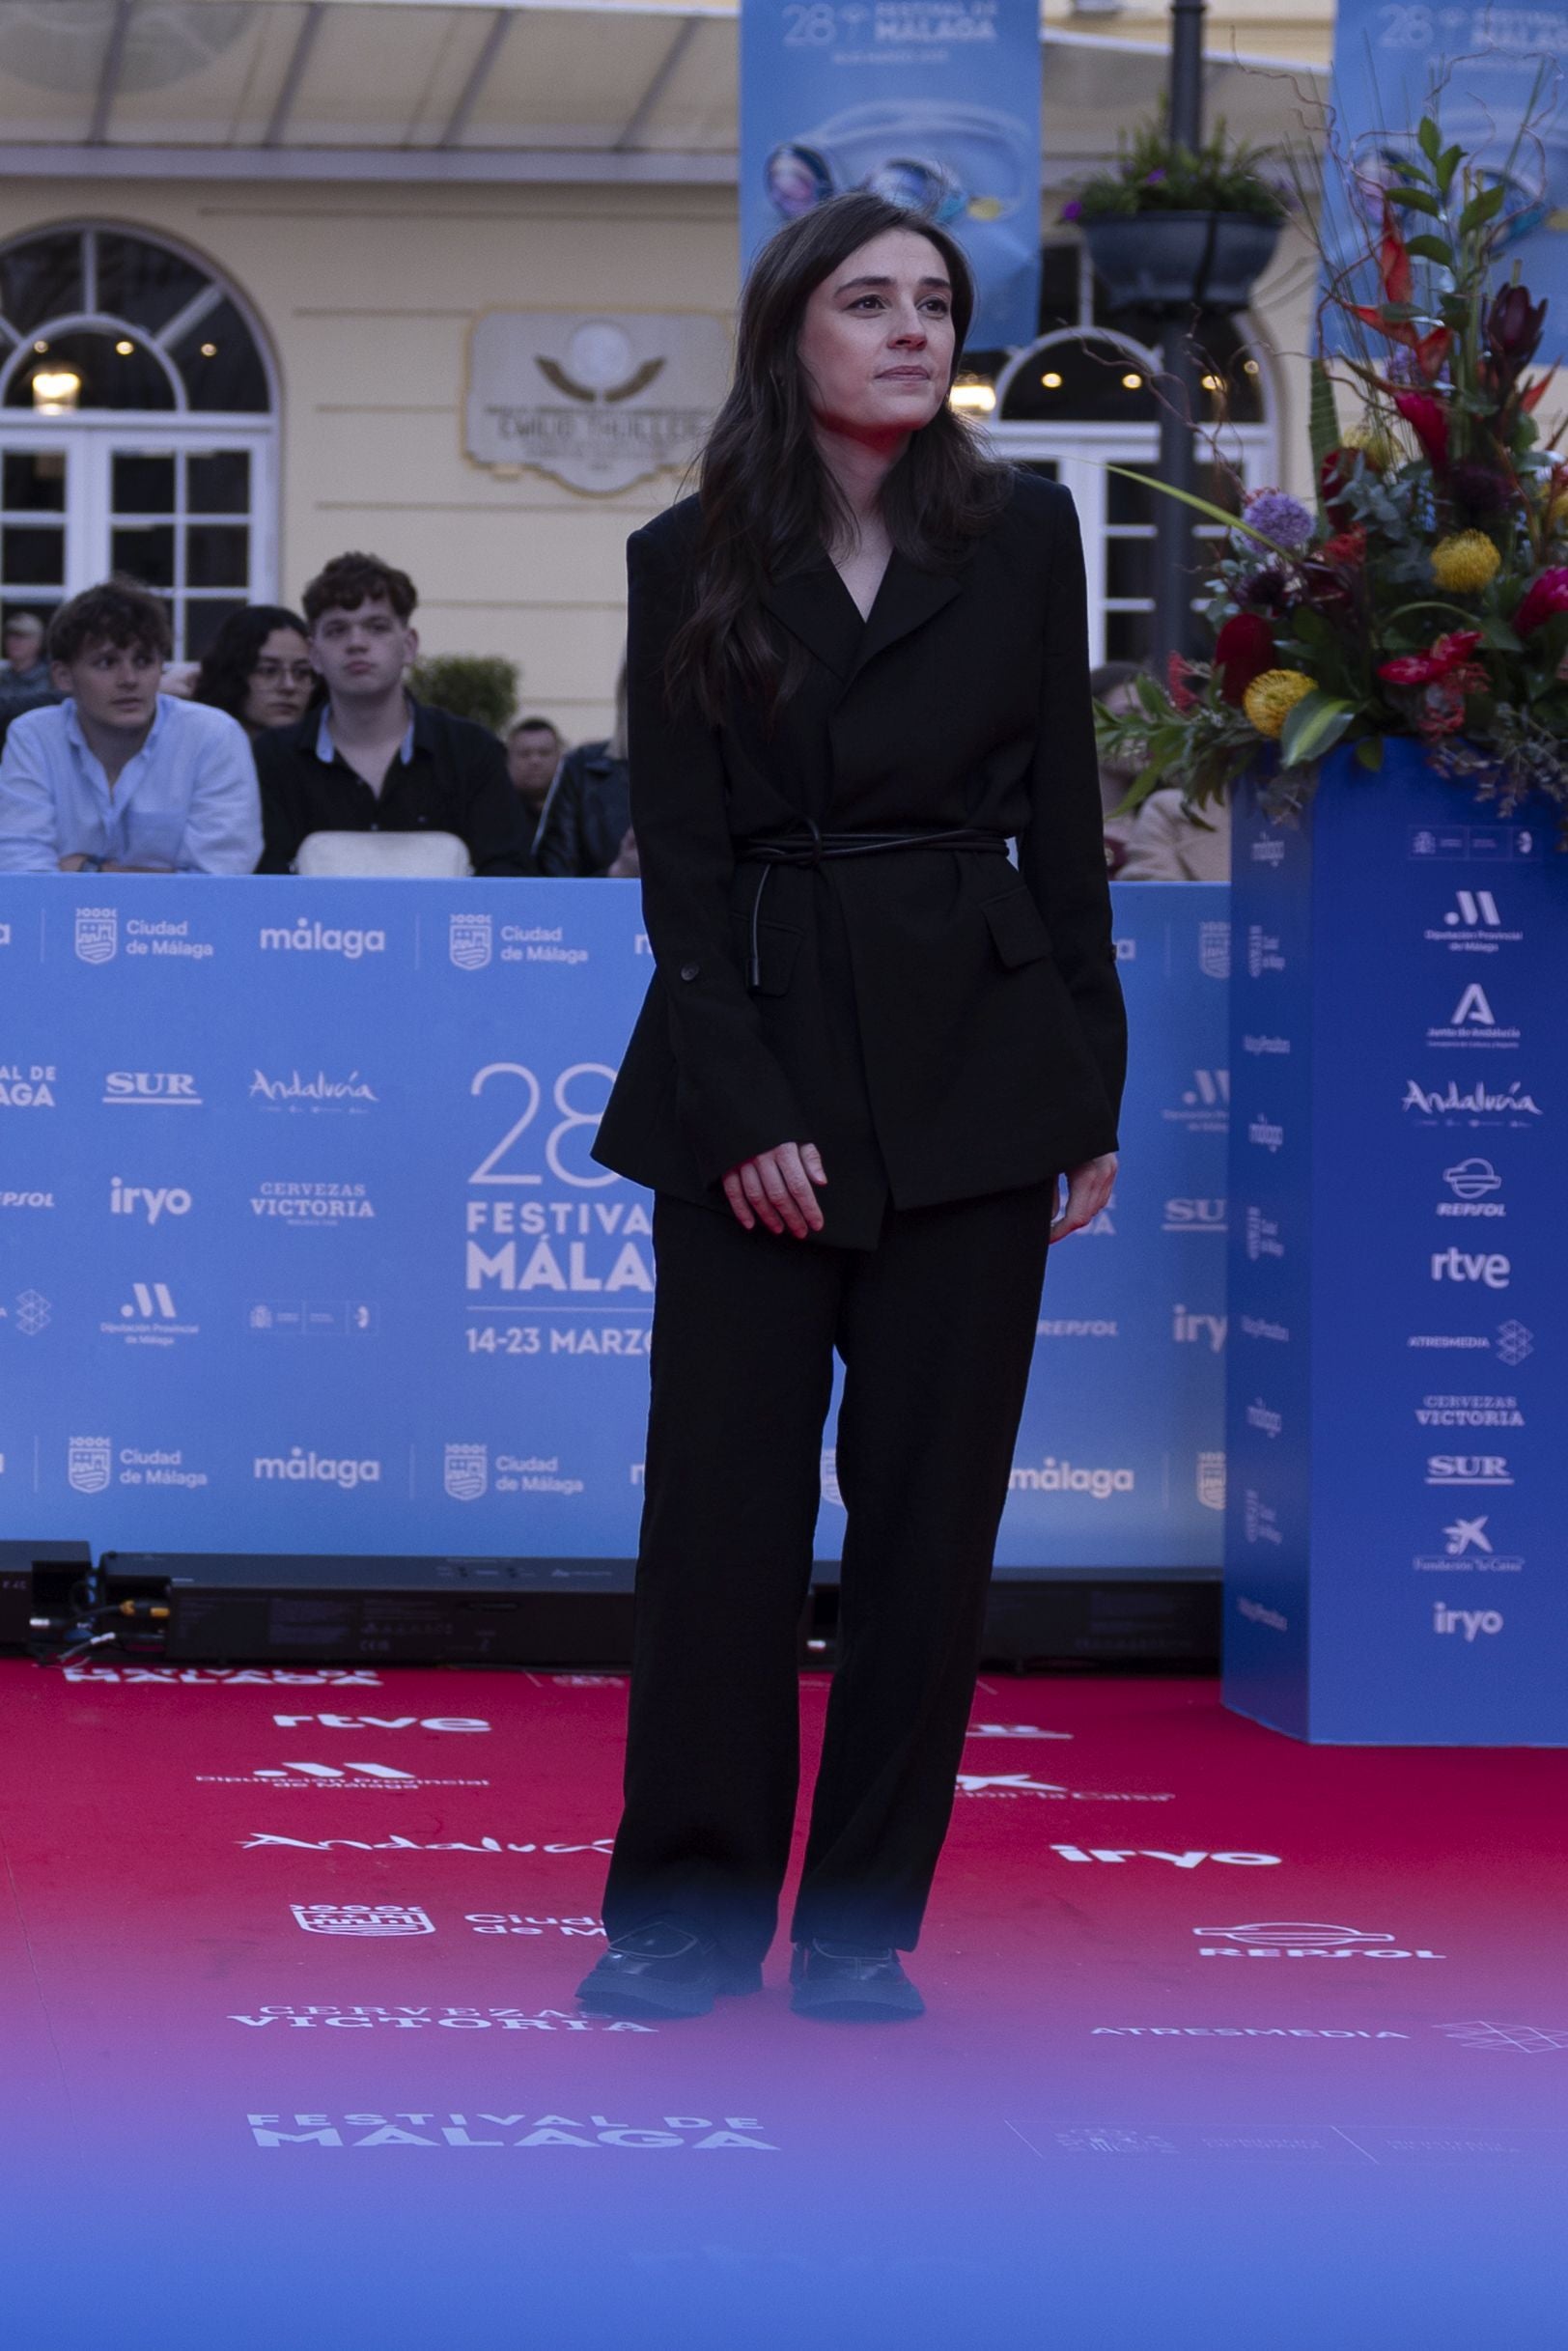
769	503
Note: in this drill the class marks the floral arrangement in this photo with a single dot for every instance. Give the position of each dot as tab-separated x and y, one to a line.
1426	594
1152	172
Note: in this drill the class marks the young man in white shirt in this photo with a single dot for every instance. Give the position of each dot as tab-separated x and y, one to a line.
119	777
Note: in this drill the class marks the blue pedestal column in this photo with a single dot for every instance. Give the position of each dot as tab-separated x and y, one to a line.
1396	1551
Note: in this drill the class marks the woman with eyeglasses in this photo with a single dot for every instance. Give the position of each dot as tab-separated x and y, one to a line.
259	670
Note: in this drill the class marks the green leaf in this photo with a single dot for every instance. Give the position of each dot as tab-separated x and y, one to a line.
1369	752
1416	199
1313	726
1480	208
1447	164
1429	139
1323	416
1432	250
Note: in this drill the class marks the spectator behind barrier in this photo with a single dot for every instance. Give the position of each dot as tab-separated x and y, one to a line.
259	670
1167	845
25	683
586	828
118	778
533	753
374	760
1161	842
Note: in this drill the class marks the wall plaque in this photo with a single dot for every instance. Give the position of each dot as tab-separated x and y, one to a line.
596	402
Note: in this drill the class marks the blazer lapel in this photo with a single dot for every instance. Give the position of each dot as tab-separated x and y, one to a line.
906	601
815	606
818	609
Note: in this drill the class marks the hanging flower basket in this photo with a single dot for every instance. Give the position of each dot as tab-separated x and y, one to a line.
1178	261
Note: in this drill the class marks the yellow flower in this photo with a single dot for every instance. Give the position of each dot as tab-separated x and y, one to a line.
1270	698
1374	443
1465	563
1556	511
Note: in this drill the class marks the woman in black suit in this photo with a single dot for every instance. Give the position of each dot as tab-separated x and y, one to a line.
871	1049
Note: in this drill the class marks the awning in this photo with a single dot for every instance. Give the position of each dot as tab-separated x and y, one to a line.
582	90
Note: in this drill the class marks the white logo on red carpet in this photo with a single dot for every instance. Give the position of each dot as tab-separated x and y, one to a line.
1188	1859
1298	1938
480	2130
1521	2040
364	2018
338	1776
362	1919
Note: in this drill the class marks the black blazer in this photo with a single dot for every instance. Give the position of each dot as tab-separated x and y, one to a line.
940	1024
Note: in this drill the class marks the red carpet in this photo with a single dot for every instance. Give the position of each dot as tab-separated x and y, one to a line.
287	1963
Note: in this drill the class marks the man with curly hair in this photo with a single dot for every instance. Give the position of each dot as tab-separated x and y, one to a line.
374	760
119	777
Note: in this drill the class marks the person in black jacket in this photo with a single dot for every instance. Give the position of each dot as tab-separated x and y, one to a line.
872	1048
374	760
584	829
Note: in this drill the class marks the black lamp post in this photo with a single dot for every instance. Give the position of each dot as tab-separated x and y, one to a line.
1173	617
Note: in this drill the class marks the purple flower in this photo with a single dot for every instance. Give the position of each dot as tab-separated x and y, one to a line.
1072	209
1153	178
1281	518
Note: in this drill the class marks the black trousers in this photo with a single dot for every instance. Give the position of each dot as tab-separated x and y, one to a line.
936	1329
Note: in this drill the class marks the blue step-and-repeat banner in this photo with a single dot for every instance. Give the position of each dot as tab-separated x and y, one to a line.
301	1246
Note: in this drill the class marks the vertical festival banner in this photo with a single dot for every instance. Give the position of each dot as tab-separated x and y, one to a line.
1496	77
933	103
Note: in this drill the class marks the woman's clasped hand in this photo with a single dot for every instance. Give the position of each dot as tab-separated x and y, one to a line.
775	1190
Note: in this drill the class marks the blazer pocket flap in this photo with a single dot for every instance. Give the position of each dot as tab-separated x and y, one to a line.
767	966
1019	934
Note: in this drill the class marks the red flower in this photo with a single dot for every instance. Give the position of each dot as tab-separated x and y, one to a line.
1348	551
1428	420
1543	598
1335	477
1243	651
1445	657
1178	671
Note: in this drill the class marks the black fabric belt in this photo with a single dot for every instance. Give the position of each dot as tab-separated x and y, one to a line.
814	846
810	847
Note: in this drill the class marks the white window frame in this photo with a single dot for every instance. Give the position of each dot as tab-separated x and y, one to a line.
1082	451
91	443
89	437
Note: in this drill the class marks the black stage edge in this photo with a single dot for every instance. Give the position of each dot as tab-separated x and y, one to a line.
36	1580
295	1609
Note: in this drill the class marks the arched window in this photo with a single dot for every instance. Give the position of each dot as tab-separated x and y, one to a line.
137	428
1082	405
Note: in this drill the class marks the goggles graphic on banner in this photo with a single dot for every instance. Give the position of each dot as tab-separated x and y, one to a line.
934	104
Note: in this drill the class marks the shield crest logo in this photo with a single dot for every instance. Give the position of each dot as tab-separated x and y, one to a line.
1212	1480
468	941
87	1464
362	1919
1213	950
97	934
467	1472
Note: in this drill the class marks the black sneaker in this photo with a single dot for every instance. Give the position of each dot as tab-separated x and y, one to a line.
663	1969
846	1983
